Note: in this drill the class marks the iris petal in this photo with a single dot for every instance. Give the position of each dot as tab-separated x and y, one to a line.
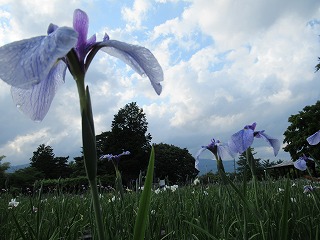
274	143
35	102
300	164
25	63
314	139
138	58
241	140
198	157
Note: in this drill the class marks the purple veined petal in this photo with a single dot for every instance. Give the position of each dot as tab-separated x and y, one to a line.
224	150
314	139
138	58
25	63
198	157
35	102
273	142
300	164
241	140
81	25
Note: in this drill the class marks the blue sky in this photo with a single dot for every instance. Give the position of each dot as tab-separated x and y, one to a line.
226	64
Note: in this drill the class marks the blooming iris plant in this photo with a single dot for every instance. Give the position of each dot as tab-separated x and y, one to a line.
218	149
243	139
36	67
301	163
314	139
115	160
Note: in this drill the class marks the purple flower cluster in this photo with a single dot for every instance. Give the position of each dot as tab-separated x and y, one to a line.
239	143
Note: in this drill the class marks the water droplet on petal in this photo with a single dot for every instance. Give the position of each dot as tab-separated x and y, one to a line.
144	75
18	106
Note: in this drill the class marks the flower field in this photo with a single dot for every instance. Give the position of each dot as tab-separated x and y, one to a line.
273	210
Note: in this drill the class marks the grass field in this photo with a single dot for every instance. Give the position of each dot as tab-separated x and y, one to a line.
273	210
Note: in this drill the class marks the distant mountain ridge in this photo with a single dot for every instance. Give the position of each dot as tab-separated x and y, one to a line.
12	169
205	166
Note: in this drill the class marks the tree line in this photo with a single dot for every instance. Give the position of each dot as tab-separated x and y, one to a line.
129	132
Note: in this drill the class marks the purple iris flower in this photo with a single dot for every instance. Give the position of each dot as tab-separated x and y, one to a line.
114	158
314	139
301	163
243	139
219	150
36	67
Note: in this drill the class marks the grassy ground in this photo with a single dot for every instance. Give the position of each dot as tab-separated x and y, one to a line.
271	210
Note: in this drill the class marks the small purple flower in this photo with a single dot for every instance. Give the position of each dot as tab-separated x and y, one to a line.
114	158
301	163
314	139
218	149
36	67
243	139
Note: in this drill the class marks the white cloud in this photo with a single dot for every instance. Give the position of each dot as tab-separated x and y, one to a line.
135	15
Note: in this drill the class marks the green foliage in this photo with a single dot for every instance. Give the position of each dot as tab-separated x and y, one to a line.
44	160
25	178
128	133
214	210
302	125
174	163
244	167
3	167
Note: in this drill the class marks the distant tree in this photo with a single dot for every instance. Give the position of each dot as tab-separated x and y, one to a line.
77	167
3	167
101	142
62	167
128	133
174	163
302	125
44	160
318	65
25	178
244	168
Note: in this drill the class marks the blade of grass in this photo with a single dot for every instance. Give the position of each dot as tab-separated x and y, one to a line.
200	229
144	204
284	224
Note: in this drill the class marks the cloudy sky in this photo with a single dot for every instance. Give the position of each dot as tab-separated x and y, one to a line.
226	64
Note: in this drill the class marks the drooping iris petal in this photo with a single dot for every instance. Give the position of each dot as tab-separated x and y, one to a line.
223	150
314	139
300	164
138	58
26	63
274	143
35	102
198	157
81	25
241	141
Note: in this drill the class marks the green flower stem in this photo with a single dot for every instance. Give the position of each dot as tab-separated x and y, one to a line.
88	137
220	168
90	153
